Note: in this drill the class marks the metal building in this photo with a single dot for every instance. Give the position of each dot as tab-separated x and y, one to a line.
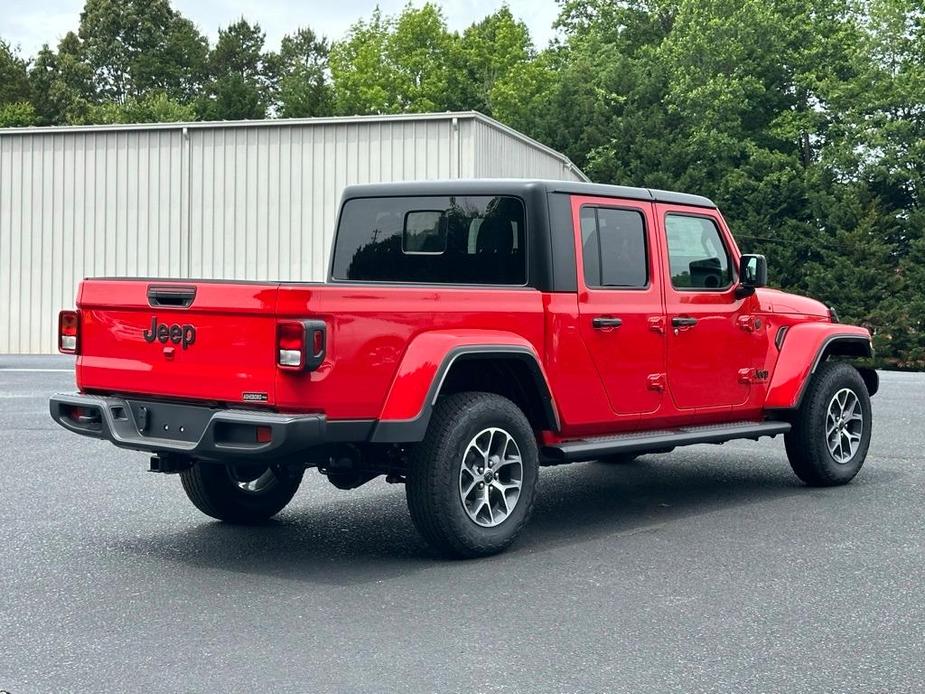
237	200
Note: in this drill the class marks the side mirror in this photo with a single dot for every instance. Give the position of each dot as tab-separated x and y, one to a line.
753	272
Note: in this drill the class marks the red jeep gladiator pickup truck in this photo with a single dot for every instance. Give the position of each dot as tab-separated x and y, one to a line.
469	332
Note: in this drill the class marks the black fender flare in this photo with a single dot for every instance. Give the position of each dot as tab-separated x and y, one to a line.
413	430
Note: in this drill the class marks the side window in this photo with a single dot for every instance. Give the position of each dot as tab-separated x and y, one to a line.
614	247
696	254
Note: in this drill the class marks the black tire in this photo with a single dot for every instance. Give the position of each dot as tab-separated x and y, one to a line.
215	489
806	443
434	483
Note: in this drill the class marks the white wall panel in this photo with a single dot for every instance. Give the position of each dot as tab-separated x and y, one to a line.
78	204
503	153
248	200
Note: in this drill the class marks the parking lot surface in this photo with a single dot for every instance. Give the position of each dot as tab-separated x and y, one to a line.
710	569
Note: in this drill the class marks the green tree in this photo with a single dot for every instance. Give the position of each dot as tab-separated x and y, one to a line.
494	56
395	65
17	114
363	81
62	83
304	90
243	77
154	107
137	46
14	76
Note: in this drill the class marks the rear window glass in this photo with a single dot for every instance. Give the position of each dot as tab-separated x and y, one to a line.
474	239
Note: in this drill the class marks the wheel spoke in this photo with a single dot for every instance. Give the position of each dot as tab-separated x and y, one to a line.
468	490
506	487
844	425
492	459
504	462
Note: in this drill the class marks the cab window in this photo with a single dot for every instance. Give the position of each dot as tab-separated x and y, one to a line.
613	243
696	254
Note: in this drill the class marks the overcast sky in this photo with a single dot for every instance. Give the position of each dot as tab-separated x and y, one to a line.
30	23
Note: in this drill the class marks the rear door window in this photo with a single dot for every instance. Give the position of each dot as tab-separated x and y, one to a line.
474	239
614	251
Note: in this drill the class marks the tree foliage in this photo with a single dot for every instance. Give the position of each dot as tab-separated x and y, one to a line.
14	76
242	75
136	46
304	90
803	119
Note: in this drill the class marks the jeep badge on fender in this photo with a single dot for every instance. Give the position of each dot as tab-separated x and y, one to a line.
178	334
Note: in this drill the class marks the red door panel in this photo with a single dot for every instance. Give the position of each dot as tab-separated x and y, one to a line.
619	301
716	344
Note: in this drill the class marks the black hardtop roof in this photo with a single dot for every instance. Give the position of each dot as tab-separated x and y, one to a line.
517	186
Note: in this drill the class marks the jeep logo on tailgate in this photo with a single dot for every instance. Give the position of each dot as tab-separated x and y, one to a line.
178	334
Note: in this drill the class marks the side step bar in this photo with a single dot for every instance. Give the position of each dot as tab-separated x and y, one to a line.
646	441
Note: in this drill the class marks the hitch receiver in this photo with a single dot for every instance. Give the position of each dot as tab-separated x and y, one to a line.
169	464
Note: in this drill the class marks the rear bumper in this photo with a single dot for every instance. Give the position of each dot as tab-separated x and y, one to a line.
192	431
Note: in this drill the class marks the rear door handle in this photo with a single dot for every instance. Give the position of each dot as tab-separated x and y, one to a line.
683	321
602	322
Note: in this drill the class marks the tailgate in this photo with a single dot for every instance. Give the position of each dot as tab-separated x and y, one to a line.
193	340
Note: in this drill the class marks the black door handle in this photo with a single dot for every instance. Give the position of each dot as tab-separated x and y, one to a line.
683	321
605	322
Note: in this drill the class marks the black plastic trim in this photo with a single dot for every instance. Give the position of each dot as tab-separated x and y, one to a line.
561	228
871	379
781	335
500	186
641	442
348	430
822	353
413	430
118	423
171	296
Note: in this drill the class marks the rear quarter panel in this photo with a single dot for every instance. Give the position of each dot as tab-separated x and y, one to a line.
384	338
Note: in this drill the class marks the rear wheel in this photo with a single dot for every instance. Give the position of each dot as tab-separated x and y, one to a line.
240	493
831	433
472	481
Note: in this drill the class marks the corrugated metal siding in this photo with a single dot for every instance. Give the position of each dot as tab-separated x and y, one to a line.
82	204
263	201
506	156
242	201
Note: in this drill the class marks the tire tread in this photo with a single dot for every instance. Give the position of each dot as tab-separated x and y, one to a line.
808	456
427	490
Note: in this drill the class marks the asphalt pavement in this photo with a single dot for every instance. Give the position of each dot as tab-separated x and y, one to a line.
710	569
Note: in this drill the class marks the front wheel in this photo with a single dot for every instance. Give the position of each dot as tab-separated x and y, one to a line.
240	493
831	433
472	480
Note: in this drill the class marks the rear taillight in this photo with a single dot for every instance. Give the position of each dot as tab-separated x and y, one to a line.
68	332
300	345
290	345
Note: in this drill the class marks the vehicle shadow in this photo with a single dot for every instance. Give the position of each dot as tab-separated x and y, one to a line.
371	538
